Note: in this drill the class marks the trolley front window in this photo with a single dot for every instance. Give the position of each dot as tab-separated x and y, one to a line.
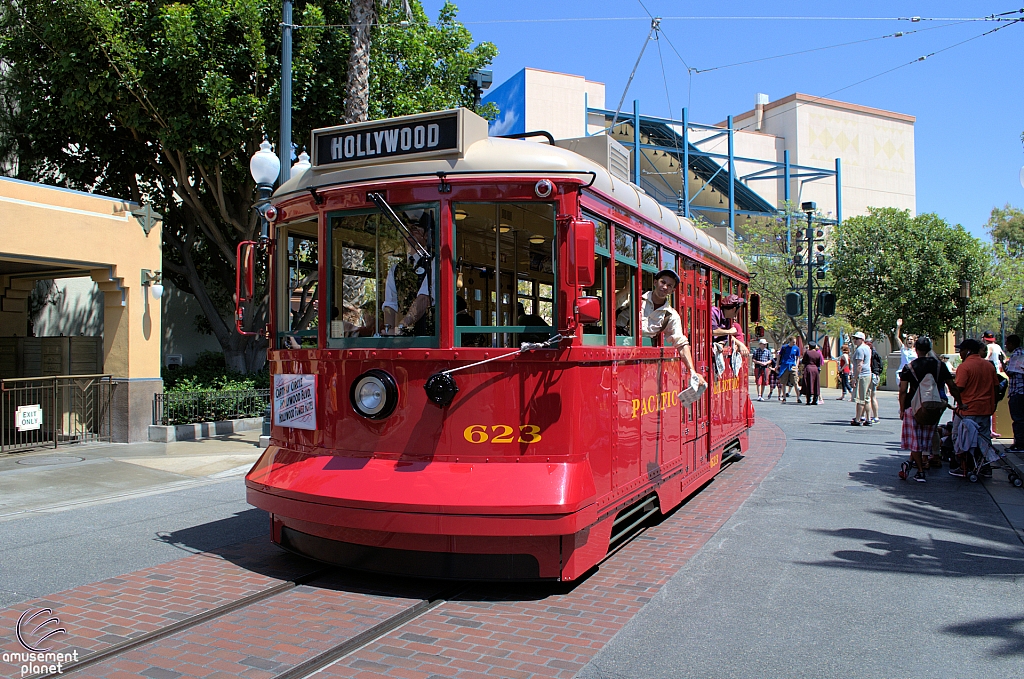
505	273
383	292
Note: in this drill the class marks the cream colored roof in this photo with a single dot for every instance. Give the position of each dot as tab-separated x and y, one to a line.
512	155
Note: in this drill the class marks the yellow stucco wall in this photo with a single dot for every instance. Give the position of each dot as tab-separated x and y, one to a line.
86	235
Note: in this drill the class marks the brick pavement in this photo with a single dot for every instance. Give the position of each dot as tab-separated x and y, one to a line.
505	631
265	638
101	614
524	632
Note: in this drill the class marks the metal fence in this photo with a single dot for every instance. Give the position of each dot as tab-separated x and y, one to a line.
188	407
50	411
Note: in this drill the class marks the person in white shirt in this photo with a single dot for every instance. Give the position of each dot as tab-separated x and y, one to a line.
994	353
906	349
408	289
658	317
862	375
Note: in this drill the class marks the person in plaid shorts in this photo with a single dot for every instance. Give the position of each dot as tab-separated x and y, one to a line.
761	357
918	438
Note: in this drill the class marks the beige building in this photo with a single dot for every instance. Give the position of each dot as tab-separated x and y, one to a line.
97	311
876	148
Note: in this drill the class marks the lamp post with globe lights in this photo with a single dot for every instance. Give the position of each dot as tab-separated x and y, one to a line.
264	166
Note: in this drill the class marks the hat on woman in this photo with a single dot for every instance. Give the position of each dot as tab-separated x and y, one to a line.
732	301
988	337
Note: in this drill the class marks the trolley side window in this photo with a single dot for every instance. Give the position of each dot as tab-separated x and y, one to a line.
298	269
597	333
649	266
383	289
504	273
626	309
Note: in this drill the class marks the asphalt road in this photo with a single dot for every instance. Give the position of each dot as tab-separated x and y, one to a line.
49	551
836	568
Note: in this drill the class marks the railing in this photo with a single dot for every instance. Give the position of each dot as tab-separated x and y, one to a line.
188	407
49	411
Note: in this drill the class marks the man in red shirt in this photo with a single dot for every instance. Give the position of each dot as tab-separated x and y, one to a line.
976	378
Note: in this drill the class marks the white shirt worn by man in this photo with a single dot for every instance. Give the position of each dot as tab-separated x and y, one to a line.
663	319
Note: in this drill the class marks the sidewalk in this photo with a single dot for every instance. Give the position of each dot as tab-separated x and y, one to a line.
836	568
51	480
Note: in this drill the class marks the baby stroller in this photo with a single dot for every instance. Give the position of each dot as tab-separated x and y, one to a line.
976	462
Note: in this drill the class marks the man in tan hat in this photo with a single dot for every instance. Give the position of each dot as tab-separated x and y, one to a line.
862	379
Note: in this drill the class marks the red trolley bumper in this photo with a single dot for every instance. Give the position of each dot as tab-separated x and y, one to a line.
463	520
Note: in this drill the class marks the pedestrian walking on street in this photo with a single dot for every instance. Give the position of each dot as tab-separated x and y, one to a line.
917	435
761	357
787	367
993	353
1015	391
976	378
907	351
876	378
844	373
810	384
862	375
773	378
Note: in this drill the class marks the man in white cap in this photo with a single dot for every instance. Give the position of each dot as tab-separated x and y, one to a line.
862	375
761	357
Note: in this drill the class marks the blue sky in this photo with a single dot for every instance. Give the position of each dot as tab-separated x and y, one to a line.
968	100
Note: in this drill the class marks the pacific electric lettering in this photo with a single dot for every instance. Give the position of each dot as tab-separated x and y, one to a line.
420	137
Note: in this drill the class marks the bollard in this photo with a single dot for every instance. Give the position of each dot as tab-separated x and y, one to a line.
266	421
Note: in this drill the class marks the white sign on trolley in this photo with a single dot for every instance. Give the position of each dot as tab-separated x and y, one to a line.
295	401
28	418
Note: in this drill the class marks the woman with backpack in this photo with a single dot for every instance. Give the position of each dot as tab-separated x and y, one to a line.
922	405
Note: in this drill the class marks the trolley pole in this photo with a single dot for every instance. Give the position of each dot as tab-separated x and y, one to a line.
284	149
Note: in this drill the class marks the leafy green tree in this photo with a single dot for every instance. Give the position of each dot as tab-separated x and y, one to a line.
1006	227
892	265
165	102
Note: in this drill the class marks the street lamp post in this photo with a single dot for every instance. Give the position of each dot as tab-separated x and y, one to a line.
264	166
965	296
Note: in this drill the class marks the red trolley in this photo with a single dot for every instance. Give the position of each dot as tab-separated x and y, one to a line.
406	267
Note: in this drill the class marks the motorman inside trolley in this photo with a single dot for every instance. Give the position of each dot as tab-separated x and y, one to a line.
658	317
409	287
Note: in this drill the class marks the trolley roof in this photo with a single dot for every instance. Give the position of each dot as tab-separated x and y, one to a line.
494	155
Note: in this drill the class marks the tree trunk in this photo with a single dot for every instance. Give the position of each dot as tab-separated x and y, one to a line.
362	17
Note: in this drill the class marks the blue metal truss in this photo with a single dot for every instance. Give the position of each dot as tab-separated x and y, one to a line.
715	169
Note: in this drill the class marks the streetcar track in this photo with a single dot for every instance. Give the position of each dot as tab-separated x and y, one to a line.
307	667
188	623
346	648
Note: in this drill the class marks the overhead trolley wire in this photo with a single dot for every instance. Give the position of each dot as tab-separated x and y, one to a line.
1002	16
898	34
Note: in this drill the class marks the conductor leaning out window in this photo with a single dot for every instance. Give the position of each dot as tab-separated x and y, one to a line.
658	317
408	291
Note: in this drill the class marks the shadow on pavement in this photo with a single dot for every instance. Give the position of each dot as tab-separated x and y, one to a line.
946	505
244	540
1010	631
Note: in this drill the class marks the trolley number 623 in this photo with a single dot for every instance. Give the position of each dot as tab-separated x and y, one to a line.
502	433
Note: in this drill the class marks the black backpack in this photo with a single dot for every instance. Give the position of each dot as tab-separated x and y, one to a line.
876	363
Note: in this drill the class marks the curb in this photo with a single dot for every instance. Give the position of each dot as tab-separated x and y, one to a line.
201	430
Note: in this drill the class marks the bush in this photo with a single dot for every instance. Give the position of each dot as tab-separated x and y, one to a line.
209	373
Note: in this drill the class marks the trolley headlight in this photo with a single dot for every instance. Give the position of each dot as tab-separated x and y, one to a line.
374	394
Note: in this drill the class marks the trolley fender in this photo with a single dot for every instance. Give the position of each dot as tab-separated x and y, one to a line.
425	487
